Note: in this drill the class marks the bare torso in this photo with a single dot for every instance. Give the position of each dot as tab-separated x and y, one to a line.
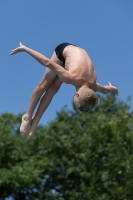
80	65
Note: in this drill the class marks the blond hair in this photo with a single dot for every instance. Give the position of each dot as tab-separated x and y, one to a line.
87	100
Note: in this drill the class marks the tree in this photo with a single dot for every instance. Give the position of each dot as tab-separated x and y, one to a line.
76	156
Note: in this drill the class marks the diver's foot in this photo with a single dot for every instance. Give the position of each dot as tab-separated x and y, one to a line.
25	125
32	130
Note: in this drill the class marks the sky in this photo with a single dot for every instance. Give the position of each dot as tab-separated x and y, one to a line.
103	28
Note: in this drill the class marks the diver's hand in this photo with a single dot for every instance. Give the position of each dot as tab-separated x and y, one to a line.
114	90
18	49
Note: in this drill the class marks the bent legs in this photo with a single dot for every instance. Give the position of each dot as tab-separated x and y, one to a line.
42	87
45	83
44	103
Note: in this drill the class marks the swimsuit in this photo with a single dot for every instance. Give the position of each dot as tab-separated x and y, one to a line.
59	51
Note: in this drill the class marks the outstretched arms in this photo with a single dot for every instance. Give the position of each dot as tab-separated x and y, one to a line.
63	74
106	89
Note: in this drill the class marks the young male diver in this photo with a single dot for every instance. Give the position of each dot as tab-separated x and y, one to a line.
69	64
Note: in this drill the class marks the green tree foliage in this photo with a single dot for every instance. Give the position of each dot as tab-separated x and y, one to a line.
77	156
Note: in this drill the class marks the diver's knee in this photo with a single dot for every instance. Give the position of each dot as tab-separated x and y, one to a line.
54	88
42	87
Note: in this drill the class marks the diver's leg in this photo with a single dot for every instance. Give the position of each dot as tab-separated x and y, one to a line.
44	103
44	84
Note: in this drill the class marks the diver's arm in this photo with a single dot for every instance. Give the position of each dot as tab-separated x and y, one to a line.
63	74
106	89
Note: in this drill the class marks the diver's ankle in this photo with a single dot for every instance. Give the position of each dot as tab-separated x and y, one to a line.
27	117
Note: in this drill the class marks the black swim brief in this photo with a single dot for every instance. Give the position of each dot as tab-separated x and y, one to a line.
59	51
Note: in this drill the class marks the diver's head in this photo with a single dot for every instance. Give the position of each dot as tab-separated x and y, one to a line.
85	99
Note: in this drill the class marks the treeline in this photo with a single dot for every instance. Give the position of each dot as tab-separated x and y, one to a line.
77	156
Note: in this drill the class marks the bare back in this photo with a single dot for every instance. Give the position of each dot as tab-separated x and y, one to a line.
80	65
